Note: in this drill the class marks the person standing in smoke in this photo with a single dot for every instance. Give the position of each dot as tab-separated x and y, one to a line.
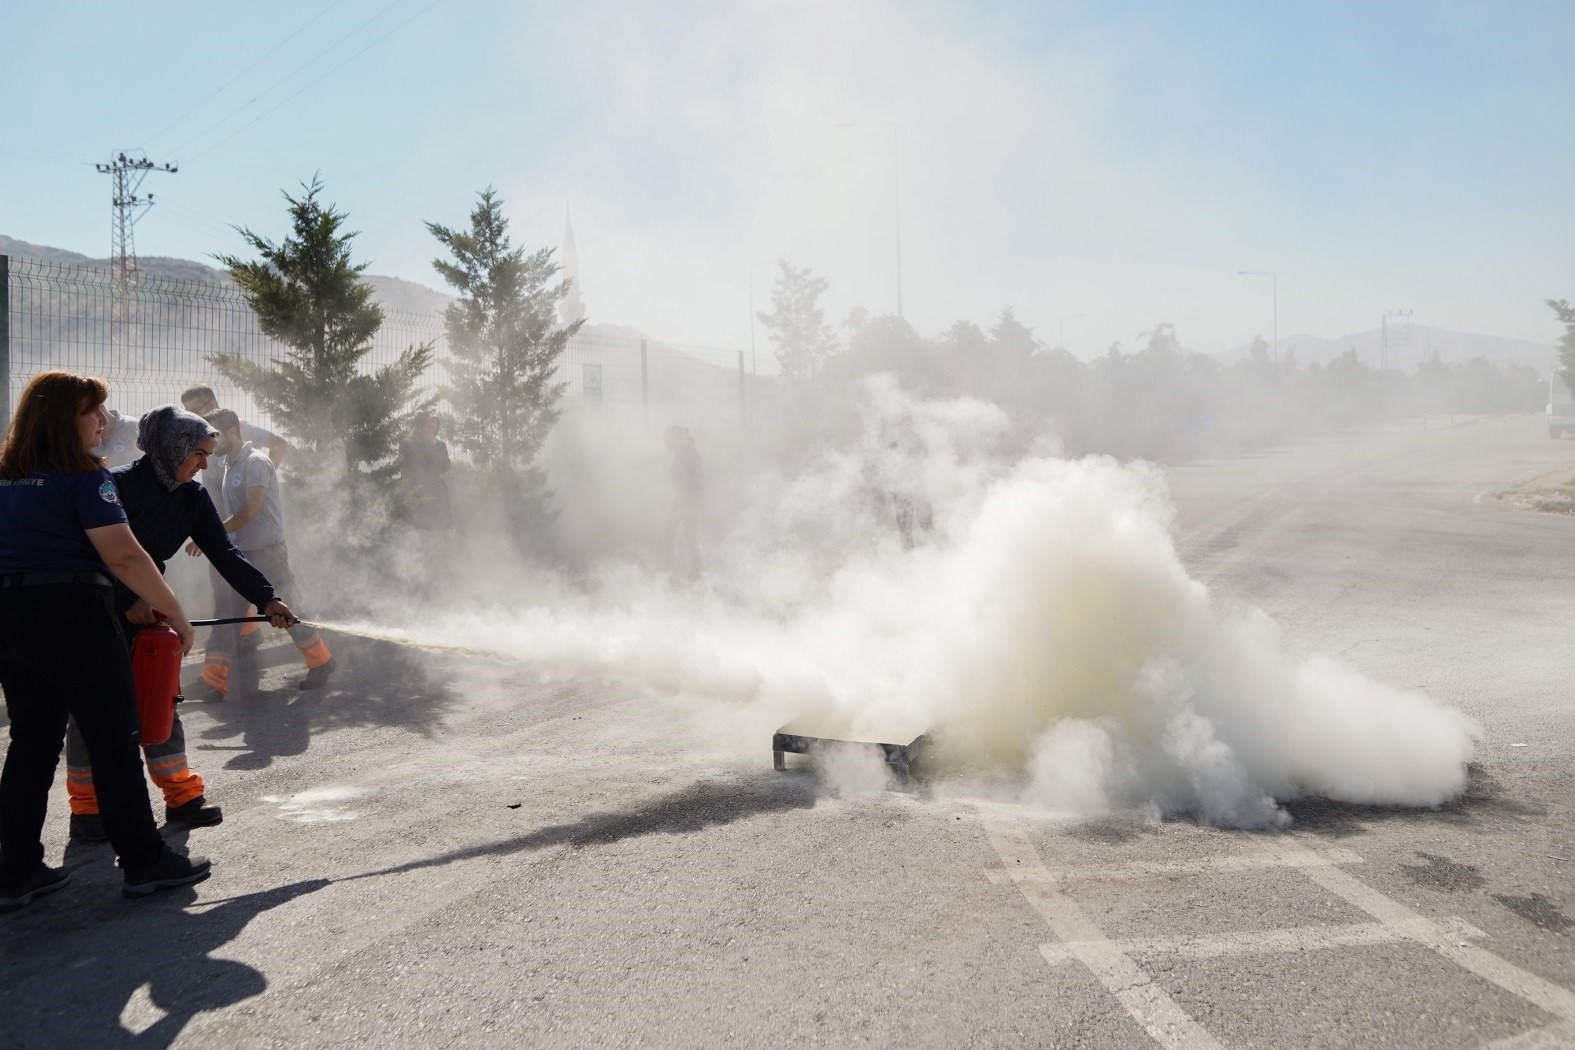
683	521
200	399
894	491
165	506
423	467
254	517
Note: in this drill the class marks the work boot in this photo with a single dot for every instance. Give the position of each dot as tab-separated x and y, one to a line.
88	827
195	814
167	872
317	677
44	880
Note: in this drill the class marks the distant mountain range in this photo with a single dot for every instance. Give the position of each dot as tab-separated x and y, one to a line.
668	364
394	294
1409	349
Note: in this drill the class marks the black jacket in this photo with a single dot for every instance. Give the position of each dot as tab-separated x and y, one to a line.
163	521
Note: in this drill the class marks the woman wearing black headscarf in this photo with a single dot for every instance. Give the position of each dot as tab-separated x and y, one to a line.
62	533
165	506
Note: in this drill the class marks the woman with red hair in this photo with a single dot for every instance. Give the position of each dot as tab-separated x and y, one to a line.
63	533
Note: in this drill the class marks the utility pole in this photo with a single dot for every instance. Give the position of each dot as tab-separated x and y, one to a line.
753	364
5	343
128	204
1400	337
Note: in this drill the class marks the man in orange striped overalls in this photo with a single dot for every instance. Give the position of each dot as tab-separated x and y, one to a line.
254	518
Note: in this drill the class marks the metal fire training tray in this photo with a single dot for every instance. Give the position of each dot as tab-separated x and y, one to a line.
790	740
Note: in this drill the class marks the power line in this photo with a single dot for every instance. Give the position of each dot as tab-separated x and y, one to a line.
282	80
220	89
192	216
285	101
190	228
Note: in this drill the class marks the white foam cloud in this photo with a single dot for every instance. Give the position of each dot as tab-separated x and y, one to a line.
1042	625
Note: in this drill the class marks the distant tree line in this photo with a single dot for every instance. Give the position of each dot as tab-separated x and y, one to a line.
1155	400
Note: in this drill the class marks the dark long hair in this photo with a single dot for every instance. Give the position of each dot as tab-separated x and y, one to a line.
44	434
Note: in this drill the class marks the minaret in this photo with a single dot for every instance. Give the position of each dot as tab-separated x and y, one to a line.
571	307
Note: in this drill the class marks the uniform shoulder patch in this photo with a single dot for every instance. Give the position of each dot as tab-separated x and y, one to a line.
108	494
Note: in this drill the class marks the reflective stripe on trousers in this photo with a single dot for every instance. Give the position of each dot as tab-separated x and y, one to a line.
167	765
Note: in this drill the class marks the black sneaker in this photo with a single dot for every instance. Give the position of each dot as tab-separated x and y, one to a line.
195	814
88	827
44	880
317	677
167	872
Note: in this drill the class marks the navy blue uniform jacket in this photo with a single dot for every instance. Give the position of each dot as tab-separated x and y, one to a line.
163	520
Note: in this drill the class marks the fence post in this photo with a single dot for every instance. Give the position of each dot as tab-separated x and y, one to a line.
645	384
743	422
5	343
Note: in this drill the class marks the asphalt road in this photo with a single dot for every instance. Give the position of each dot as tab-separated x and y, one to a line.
435	853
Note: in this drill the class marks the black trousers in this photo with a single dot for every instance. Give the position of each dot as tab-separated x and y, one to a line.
62	654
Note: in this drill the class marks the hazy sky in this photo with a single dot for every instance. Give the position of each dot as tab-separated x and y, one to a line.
1101	166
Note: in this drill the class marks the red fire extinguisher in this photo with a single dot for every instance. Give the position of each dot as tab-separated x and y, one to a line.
155	667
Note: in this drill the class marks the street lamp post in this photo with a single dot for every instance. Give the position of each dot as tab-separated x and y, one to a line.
896	193
1275	286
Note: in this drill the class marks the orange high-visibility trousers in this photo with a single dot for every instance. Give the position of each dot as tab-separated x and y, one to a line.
167	765
219	656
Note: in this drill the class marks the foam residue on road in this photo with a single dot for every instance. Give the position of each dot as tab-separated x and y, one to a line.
1043	628
317	805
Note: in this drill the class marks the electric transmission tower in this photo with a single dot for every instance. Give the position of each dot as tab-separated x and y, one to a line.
1397	334
128	204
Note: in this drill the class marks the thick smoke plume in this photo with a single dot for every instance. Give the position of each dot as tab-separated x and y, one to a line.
1031	612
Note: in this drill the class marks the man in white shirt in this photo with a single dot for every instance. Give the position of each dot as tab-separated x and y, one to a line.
200	398
254	518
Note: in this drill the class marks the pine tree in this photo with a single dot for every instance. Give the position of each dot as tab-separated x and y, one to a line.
1012	341
308	295
804	340
505	345
1566	316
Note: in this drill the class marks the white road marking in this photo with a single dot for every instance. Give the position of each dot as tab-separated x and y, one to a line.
1162	869
1250	942
1166	1022
1547	996
1553	1037
1112	961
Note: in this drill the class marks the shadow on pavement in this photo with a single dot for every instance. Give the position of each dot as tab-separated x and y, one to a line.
1484	802
374	684
695	808
76	959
